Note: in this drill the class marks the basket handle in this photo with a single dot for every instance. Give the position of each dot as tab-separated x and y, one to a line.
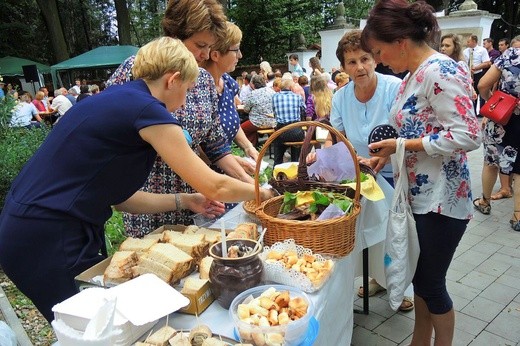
306	148
331	130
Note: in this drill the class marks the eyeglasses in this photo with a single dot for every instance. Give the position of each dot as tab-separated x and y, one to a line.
236	50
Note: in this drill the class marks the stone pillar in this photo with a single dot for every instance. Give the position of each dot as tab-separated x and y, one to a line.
468	20
330	37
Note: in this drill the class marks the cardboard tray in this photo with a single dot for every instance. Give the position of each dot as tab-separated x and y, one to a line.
199	301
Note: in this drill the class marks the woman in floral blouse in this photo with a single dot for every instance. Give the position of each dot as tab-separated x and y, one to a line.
434	113
199	24
259	106
501	143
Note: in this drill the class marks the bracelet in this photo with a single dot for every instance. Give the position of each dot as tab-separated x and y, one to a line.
178	205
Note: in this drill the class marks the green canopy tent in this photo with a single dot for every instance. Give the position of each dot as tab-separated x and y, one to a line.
98	58
11	66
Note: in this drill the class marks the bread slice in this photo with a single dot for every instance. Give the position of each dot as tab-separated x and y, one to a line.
161	337
193	285
204	267
211	236
137	244
120	268
147	265
191	229
249	228
157	236
194	245
167	254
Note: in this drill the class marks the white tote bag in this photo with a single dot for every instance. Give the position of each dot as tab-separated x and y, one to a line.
401	244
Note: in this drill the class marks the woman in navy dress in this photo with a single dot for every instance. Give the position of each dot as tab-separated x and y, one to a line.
98	156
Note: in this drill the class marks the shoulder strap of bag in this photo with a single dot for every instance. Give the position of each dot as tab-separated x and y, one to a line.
401	183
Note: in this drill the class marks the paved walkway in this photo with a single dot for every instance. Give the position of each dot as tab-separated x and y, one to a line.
483	281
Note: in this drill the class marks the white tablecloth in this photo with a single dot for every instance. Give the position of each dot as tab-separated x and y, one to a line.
333	303
333	309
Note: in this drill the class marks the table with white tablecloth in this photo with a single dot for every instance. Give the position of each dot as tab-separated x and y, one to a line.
333	303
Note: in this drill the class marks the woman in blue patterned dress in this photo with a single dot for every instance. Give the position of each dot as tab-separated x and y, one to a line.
434	113
501	143
223	59
199	24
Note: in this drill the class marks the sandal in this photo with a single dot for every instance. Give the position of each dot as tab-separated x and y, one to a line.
407	304
501	194
482	205
373	289
515	223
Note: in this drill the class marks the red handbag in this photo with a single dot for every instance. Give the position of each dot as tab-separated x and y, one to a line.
499	107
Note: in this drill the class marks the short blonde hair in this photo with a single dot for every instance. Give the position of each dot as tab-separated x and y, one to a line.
94	88
39	95
163	55
266	67
277	83
233	37
287	84
342	77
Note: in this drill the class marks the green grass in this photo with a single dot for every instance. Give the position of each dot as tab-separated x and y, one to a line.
114	232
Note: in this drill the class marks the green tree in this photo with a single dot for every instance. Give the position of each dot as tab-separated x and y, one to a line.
270	30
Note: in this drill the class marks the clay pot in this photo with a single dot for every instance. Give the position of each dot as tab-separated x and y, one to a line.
228	277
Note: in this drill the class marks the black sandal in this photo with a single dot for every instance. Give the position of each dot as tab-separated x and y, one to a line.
482	204
515	222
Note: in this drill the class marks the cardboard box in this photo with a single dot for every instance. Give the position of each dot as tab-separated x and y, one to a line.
199	301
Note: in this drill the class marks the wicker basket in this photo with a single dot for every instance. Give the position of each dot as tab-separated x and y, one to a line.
335	236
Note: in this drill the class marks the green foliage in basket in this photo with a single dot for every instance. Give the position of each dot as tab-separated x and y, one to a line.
363	176
315	201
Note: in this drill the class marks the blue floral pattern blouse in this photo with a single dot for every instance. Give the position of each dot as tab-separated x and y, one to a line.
434	103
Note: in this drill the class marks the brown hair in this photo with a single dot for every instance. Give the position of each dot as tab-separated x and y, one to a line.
184	18
315	64
391	20
457	46
350	42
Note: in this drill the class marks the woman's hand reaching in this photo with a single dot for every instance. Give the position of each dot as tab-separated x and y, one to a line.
247	165
199	204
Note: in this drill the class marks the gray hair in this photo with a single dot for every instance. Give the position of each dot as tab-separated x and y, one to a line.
258	81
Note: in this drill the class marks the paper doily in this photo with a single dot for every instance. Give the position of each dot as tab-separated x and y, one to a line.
276	272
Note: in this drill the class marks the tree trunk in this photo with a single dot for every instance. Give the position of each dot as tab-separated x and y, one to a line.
86	26
123	22
52	21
